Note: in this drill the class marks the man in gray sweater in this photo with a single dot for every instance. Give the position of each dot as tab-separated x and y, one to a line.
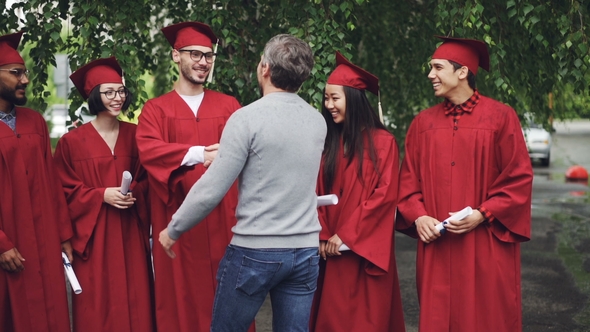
273	146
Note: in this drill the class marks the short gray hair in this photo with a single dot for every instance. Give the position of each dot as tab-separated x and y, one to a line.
290	60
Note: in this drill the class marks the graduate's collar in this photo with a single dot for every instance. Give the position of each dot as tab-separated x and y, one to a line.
466	106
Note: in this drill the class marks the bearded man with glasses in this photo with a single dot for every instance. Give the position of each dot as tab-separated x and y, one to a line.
34	222
177	138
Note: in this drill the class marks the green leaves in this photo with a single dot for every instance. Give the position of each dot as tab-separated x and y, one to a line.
527	9
55	36
536	46
93	21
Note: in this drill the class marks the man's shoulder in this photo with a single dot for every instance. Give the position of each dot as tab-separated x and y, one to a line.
165	98
260	103
221	100
22	112
268	104
495	104
218	94
274	100
159	105
429	112
26	110
433	108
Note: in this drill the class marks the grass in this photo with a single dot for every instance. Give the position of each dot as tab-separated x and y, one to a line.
572	239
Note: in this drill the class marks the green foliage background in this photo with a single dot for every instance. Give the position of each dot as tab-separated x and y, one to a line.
537	47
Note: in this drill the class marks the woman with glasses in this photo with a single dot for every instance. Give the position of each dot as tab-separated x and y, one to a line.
110	239
358	288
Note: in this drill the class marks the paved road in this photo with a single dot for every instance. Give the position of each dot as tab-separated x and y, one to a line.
571	146
555	263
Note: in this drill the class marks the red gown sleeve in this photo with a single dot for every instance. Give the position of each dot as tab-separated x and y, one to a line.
140	188
509	196
5	243
369	229
84	203
64	223
324	233
6	214
159	157
411	201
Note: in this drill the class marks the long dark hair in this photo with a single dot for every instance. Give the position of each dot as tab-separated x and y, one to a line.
359	120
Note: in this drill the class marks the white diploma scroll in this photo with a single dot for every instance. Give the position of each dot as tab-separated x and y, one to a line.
70	274
331	200
343	247
125	182
327	200
457	216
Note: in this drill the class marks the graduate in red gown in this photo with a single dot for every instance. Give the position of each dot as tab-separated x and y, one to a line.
110	240
33	213
468	150
177	136
358	289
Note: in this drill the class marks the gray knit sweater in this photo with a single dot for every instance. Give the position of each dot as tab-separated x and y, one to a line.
273	146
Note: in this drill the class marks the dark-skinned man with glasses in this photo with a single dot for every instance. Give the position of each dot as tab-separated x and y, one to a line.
34	222
177	137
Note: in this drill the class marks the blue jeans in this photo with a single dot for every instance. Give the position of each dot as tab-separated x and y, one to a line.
246	275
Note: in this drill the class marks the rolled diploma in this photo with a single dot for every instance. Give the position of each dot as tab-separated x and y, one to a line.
327	200
457	216
70	274
343	247
125	182
331	200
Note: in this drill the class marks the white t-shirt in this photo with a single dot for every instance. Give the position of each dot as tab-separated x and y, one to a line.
195	154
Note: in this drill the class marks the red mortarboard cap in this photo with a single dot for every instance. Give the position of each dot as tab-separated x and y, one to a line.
97	72
348	74
467	52
8	53
189	33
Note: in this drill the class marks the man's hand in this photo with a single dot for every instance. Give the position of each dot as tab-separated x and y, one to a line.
167	242
426	228
11	261
333	246
67	248
113	196
210	153
467	224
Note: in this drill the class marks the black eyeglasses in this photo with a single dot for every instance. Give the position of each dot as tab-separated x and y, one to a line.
111	94
18	72
197	55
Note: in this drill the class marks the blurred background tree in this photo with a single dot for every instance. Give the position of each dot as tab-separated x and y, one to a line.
538	48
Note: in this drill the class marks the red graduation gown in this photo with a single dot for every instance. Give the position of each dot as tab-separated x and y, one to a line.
468	282
359	290
111	245
167	128
34	219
